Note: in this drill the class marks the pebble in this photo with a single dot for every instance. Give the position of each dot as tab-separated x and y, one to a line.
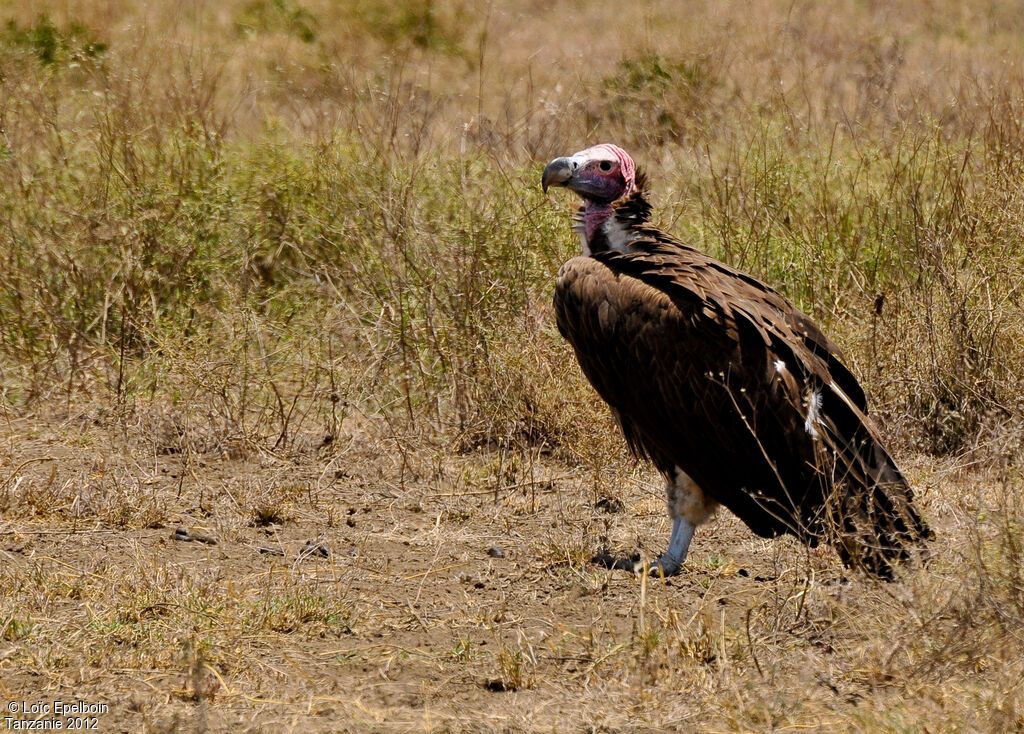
314	549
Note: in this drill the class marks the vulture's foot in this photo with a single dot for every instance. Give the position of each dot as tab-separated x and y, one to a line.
618	563
667	565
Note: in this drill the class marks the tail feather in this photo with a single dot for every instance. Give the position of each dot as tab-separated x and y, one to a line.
872	520
876	523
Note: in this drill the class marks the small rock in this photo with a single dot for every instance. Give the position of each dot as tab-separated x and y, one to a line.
184	535
609	505
314	549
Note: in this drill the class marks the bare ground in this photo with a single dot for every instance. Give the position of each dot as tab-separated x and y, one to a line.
456	594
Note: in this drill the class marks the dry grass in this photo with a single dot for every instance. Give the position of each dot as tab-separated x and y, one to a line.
278	273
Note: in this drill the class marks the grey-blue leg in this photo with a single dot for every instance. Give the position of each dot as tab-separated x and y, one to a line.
688	507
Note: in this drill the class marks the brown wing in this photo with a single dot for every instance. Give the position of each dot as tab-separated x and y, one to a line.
711	371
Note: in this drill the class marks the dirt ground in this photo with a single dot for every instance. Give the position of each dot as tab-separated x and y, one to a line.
351	587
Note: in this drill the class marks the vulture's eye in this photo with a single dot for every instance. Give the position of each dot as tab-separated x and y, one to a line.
606	166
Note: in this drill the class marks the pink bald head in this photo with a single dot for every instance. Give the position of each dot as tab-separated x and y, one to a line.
601	174
626	165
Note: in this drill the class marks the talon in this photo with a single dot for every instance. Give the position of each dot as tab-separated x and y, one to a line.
665	566
617	563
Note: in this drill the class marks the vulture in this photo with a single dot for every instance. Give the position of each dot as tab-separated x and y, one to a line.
735	395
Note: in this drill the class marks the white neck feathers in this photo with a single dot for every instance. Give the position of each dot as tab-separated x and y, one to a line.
603	227
619	236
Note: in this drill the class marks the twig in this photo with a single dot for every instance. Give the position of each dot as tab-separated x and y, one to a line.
22	465
492	490
70	531
750	644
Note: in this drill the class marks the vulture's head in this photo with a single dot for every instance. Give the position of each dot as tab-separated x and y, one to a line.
601	174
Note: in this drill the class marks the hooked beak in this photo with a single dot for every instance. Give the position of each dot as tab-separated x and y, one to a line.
557	173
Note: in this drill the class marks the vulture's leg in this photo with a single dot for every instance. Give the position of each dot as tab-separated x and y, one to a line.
688	507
